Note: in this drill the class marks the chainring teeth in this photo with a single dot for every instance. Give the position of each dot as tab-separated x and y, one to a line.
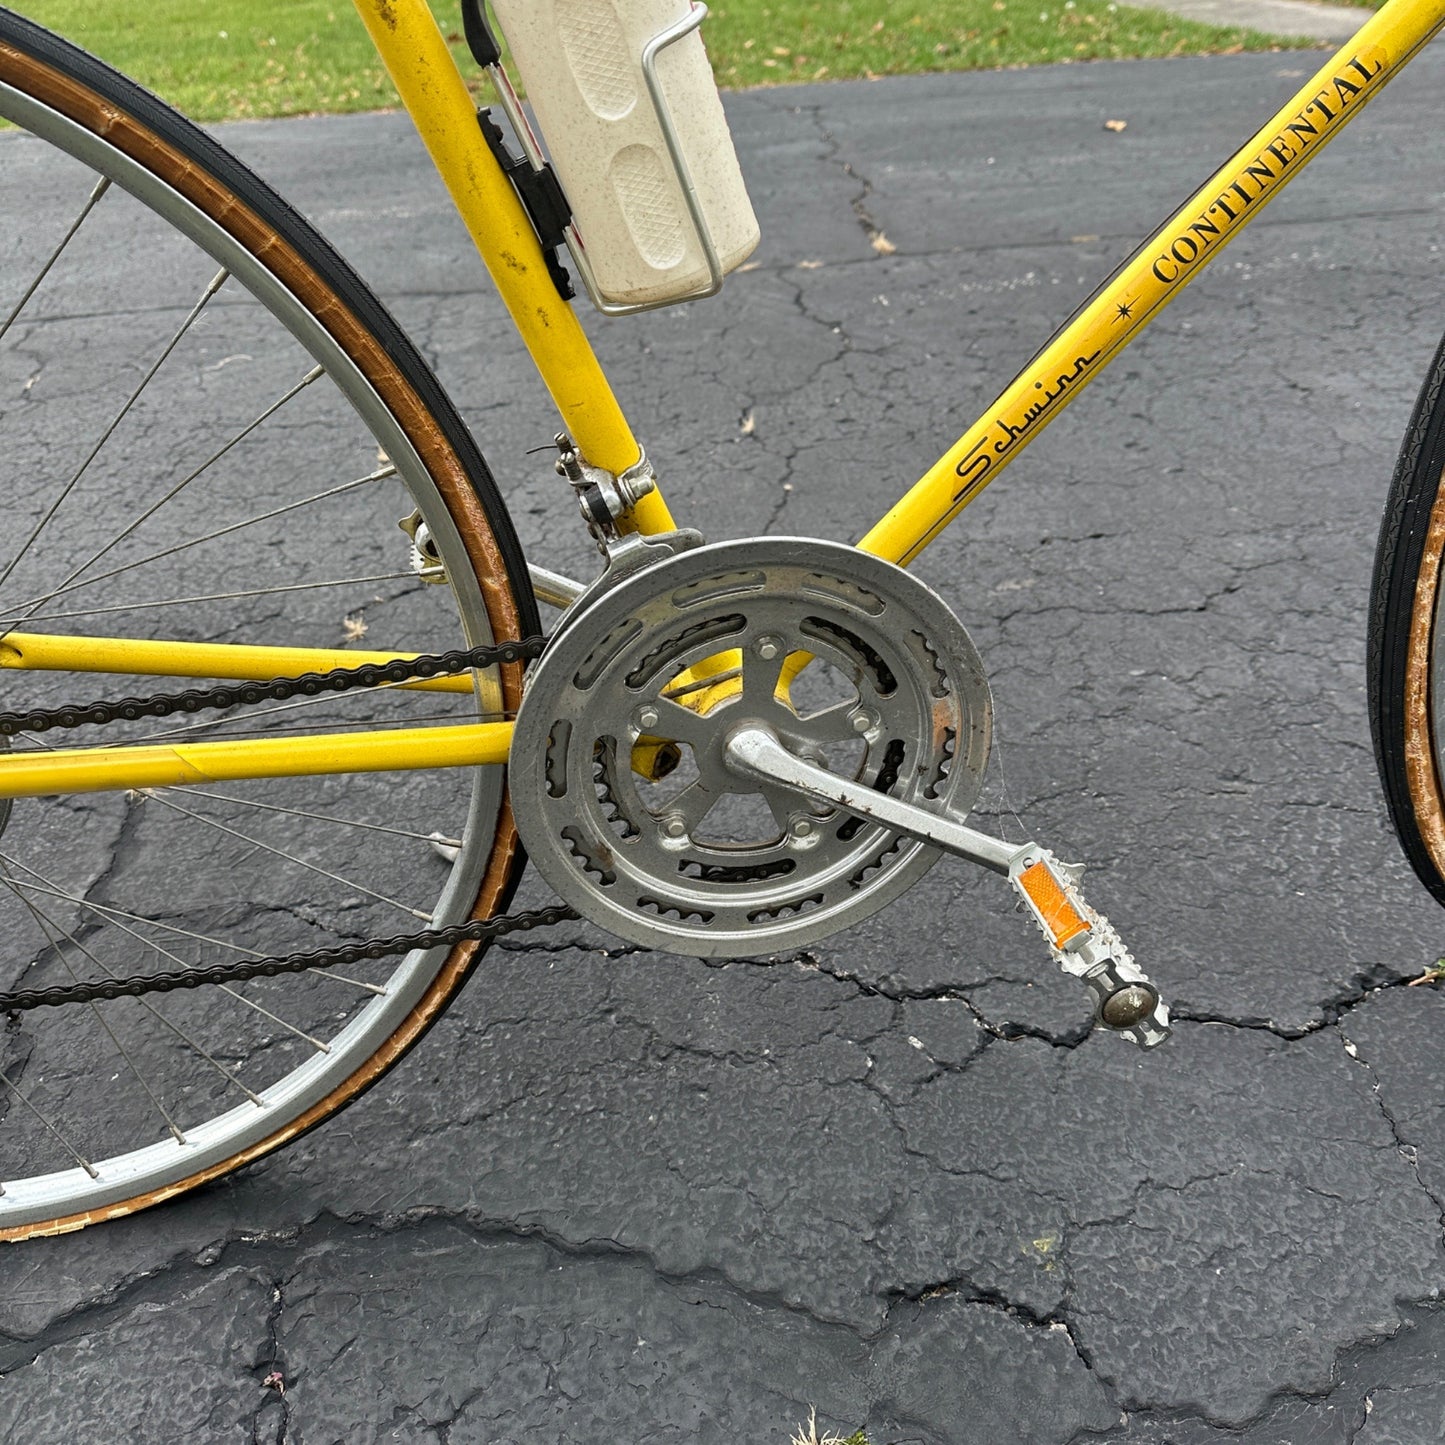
943	764
709	632
865	657
588	855
671	908
895	697
838	588
941	687
790	908
604	775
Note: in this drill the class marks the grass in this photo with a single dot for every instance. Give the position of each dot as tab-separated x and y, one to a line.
1434	973
247	58
757	43
289	57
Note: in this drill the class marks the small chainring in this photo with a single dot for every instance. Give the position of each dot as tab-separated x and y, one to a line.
852	662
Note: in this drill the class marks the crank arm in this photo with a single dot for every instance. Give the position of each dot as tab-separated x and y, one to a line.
1083	942
755	752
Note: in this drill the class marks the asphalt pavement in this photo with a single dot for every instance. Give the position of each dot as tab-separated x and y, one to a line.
617	1196
1277	17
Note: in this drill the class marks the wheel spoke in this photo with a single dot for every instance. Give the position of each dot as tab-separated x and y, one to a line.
321	1048
331	975
99	189
13	622
158	796
180	962
44	925
41	884
50	1125
151	1009
215	285
375	476
175	491
317	817
111	913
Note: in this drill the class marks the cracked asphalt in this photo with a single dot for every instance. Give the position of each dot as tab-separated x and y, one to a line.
621	1196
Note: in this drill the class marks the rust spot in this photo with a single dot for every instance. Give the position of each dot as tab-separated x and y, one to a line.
1420	772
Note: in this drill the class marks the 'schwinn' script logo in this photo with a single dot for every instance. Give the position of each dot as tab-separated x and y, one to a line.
975	465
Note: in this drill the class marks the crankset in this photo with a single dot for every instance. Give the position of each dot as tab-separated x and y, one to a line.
747	746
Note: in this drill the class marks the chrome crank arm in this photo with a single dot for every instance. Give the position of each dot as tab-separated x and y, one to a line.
755	752
1083	942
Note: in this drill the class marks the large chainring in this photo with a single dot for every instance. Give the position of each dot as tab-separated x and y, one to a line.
852	662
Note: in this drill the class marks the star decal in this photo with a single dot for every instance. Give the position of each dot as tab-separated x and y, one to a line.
1125	311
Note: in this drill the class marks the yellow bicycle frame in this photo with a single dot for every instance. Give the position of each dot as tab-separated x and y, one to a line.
431	87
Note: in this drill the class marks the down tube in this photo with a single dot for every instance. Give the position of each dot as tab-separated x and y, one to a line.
1155	274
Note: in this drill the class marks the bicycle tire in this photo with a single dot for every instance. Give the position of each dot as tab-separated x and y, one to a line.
1406	643
94	114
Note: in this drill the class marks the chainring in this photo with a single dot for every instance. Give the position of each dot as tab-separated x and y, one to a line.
852	662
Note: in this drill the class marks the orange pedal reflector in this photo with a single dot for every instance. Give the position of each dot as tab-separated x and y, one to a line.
1058	912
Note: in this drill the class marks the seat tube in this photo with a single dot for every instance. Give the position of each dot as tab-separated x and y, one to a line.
431	87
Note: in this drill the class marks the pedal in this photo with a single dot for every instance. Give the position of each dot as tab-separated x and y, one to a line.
1084	943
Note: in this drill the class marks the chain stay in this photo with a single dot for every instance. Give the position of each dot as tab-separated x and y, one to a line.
482	930
278	689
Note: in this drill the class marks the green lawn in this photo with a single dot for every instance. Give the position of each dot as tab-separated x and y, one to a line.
244	58
286	57
763	42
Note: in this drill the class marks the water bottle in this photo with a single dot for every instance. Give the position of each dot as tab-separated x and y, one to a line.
581	64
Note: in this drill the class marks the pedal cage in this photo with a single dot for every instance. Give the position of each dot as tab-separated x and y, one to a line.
1085	944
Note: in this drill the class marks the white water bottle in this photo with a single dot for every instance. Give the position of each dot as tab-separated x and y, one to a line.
581	64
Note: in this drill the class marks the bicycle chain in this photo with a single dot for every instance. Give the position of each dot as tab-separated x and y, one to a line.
481	931
278	689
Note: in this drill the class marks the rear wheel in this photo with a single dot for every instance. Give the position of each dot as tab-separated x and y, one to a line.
213	430
1406	656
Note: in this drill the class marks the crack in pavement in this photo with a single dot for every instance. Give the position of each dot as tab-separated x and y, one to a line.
1408	1151
271	1370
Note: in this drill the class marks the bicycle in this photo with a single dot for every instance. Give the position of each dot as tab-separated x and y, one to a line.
746	745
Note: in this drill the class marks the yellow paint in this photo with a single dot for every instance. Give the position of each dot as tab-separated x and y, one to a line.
426	77
1156	273
55	653
97	770
691	691
1041	1250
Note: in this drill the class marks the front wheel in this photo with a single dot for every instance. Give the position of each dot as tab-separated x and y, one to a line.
211	431
1406	649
